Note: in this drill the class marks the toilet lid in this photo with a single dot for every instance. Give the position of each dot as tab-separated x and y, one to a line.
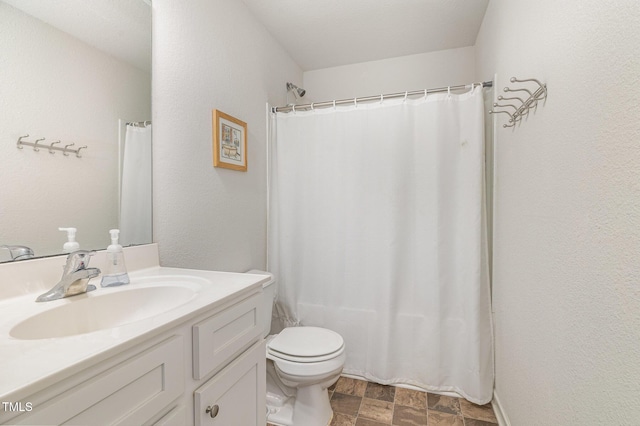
305	342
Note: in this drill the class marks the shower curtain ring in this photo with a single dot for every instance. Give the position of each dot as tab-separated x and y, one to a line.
405	97
381	99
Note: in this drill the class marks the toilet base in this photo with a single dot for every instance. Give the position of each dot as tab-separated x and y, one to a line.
309	406
312	406
283	415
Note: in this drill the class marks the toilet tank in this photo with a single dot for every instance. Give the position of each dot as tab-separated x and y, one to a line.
268	297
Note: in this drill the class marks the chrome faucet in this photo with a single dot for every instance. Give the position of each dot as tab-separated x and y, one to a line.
19	252
75	277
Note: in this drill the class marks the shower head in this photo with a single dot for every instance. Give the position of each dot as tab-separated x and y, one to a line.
297	92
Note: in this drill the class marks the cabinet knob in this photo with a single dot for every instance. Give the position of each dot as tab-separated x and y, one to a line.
212	411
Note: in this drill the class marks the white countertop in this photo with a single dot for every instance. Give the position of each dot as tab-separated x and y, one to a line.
28	366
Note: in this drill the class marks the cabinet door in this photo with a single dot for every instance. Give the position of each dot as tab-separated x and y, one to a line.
236	395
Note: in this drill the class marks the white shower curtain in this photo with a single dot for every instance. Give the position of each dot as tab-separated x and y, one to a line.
135	199
377	231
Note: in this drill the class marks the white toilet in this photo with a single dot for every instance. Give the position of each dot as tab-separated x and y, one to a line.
302	362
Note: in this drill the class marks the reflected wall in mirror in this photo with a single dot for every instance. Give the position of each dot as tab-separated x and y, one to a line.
75	88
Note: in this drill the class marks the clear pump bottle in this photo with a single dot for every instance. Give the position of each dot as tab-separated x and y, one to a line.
115	272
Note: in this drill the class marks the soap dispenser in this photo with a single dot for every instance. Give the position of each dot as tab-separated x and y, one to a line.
71	245
115	273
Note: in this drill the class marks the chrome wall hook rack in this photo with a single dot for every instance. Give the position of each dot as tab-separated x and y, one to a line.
521	107
36	146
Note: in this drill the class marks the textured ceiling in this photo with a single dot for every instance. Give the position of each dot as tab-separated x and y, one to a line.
121	28
326	33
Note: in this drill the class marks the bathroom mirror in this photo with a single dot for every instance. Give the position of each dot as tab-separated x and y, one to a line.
74	73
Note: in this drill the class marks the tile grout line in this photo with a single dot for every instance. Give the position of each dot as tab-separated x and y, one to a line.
393	407
360	406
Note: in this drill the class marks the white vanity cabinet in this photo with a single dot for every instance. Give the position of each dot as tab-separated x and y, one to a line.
215	359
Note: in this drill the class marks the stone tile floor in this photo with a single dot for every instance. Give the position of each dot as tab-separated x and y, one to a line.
361	403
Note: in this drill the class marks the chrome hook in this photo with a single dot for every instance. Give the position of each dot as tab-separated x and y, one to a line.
35	144
51	147
19	144
542	86
506	105
503	112
65	149
78	151
517	120
500	98
506	89
524	109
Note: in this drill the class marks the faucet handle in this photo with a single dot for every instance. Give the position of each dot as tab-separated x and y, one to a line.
78	259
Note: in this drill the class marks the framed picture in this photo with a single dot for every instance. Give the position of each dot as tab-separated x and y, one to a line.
229	142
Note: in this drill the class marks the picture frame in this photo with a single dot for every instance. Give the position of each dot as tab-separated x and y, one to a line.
229	142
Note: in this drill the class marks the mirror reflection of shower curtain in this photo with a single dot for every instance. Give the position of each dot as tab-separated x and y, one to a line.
135	201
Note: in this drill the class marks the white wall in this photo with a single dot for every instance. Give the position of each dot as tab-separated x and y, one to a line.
567	212
53	85
414	72
211	55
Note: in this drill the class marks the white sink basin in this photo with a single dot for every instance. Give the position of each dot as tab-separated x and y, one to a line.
107	308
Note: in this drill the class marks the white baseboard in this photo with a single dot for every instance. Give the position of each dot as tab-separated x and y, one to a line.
501	415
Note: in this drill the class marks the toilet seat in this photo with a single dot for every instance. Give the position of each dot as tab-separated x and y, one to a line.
306	345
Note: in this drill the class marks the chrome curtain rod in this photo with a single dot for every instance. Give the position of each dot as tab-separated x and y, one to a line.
139	123
423	92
